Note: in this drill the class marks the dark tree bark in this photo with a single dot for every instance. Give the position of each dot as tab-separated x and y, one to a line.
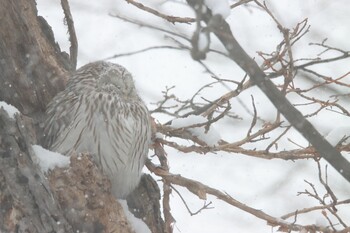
144	204
30	59
26	203
32	71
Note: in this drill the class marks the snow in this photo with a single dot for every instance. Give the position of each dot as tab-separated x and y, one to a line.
48	160
269	185
211	138
159	135
219	7
11	110
138	225
321	221
338	134
203	41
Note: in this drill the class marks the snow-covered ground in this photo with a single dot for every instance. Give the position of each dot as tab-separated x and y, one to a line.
269	185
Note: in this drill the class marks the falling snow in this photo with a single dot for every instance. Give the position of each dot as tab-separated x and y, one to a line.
269	185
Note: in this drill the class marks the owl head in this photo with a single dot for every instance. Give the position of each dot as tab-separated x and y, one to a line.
115	79
106	78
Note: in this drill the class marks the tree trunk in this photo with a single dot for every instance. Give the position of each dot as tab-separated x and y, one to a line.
32	71
31	61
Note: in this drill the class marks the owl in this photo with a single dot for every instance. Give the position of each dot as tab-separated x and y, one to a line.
100	112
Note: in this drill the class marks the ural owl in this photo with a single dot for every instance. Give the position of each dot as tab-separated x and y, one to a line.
100	112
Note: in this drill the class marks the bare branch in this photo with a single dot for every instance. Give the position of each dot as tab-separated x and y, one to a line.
325	149
201	190
241	2
72	35
168	218
142	51
310	209
205	206
254	118
171	19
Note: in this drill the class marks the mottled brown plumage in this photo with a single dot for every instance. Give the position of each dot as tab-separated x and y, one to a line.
100	112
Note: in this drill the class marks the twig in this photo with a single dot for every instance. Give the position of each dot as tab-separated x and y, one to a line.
72	35
205	206
306	153
332	209
320	61
241	2
168	218
254	118
171	19
202	190
222	30
142	51
310	209
143	24
278	138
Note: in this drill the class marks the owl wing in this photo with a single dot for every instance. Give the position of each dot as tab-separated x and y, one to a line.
142	137
128	135
59	118
123	154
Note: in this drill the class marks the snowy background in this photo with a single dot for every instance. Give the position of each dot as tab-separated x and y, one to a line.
269	185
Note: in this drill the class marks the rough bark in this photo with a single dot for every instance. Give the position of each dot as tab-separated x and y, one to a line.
70	200
31	61
25	198
144	204
85	199
32	71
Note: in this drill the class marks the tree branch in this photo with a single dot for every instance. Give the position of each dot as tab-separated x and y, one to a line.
72	35
222	30
169	18
201	190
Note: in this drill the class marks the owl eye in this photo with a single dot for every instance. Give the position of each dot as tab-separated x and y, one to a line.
113	86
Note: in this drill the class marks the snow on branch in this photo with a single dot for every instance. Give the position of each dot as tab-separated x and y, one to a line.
262	138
